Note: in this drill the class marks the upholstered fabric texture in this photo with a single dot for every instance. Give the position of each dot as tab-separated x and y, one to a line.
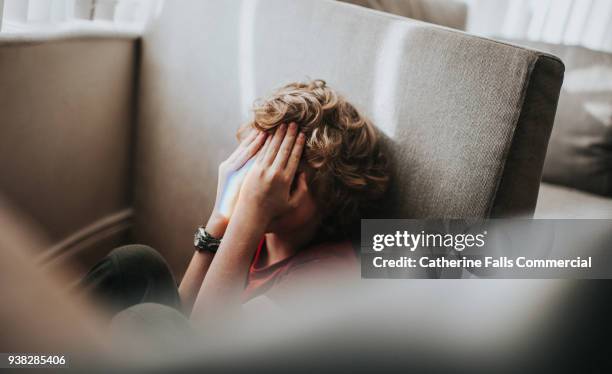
465	119
65	146
580	150
66	137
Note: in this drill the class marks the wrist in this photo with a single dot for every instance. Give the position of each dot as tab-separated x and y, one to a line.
250	218
216	225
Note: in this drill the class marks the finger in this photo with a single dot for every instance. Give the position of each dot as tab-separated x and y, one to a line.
280	161
250	151
301	189
275	143
296	155
243	144
262	152
253	133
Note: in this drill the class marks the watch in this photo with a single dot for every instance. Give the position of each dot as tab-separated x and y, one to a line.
204	241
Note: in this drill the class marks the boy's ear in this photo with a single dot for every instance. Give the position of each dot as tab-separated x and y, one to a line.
300	188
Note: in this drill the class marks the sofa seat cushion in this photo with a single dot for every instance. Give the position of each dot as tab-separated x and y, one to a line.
556	201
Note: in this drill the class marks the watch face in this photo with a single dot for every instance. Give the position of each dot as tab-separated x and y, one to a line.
203	240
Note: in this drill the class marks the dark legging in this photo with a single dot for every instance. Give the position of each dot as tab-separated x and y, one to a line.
130	275
135	284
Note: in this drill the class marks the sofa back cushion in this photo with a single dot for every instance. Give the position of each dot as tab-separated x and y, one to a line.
465	119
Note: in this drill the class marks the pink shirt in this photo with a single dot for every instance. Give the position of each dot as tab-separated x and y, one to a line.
304	268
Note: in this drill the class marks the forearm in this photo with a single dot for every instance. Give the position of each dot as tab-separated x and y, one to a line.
193	278
224	283
199	264
268	183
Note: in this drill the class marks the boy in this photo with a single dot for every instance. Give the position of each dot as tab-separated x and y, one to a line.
307	167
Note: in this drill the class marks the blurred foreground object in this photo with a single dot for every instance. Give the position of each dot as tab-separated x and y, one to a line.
38	314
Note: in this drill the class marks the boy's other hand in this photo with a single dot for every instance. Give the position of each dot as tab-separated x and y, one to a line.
267	185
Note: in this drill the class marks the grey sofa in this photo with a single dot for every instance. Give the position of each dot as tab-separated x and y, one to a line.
577	175
129	132
467	119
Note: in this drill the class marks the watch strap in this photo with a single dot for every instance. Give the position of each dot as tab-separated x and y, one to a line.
204	241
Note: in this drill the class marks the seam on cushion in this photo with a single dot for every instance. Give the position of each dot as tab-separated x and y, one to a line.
502	168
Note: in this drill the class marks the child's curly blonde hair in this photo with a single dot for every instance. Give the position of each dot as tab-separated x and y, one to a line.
346	170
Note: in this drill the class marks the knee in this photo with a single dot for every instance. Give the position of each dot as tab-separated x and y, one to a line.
135	250
137	256
130	275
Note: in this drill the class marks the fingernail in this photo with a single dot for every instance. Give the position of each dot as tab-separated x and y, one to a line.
283	126
292	126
